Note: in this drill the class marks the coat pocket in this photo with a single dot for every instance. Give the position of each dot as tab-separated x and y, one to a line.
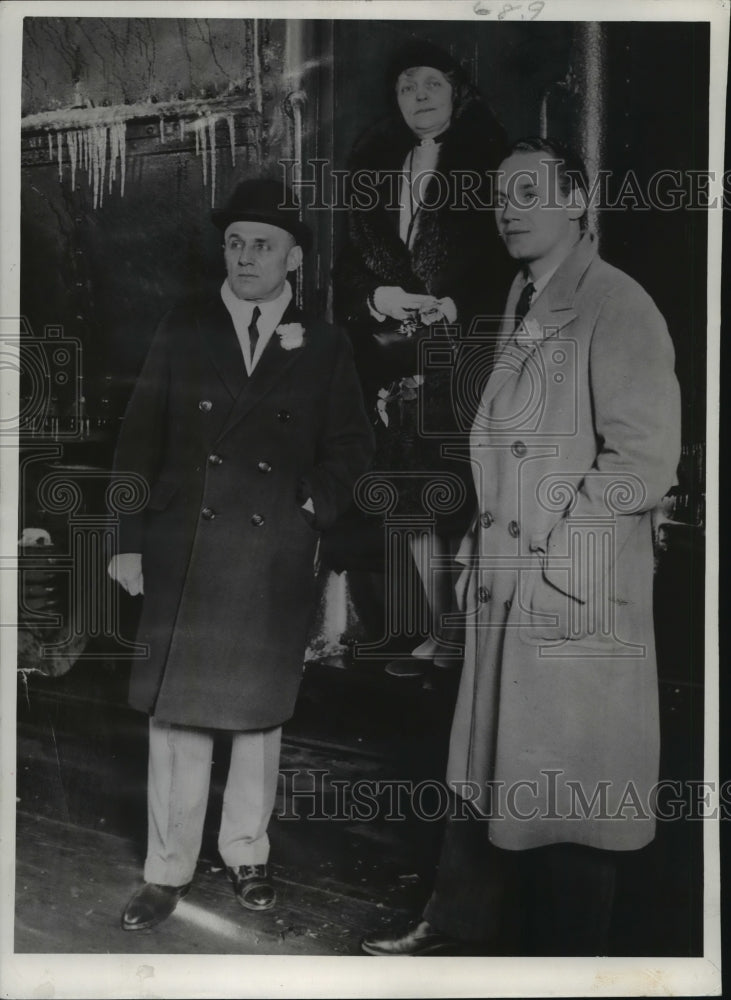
554	618
161	494
547	609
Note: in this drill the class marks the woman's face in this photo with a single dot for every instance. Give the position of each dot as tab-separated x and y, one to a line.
424	97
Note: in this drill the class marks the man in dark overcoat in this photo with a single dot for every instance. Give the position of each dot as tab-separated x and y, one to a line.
247	423
554	750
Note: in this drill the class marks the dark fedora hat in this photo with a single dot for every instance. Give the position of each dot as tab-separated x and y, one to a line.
264	199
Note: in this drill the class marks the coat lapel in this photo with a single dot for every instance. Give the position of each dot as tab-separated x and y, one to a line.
553	310
274	362
218	333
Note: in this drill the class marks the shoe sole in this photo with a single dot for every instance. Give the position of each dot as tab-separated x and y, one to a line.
254	908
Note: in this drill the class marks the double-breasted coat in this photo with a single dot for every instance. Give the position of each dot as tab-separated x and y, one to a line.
577	438
227	549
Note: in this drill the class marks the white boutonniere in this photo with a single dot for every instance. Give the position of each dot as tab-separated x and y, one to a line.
291	335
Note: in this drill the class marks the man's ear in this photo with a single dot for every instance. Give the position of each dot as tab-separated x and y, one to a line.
294	258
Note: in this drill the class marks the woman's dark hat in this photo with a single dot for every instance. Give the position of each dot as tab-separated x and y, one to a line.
417	52
264	200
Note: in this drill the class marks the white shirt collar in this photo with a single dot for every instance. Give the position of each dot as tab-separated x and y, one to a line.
540	283
241	311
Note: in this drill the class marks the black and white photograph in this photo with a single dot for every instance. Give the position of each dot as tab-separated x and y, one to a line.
359	510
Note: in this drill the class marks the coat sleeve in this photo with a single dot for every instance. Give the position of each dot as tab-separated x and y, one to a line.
346	444
142	435
636	405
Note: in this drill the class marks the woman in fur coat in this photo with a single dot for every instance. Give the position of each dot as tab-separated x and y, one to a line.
423	258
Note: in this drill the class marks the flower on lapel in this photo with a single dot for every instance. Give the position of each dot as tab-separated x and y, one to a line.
291	335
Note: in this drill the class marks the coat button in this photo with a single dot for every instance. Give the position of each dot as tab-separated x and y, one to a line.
284	416
263	466
483	594
486	519
208	514
514	529
518	448
215	460
257	520
508	605
205	405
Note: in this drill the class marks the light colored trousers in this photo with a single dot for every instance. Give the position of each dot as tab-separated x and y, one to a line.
178	781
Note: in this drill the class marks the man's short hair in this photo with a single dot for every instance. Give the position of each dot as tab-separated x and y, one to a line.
572	174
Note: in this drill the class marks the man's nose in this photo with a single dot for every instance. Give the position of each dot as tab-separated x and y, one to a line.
508	210
246	255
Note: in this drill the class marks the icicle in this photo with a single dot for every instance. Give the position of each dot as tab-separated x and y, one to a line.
162	131
122	152
204	153
196	129
232	137
212	138
79	136
113	150
94	163
59	143
102	161
50	145
182	130
71	142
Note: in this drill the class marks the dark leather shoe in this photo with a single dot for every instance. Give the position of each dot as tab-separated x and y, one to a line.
253	886
420	940
150	905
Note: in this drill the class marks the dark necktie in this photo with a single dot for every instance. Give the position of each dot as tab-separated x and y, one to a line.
523	304
254	330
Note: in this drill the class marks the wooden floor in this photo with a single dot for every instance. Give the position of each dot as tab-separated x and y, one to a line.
72	884
81	818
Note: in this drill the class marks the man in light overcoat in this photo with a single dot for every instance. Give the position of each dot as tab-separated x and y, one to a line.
247	423
554	748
